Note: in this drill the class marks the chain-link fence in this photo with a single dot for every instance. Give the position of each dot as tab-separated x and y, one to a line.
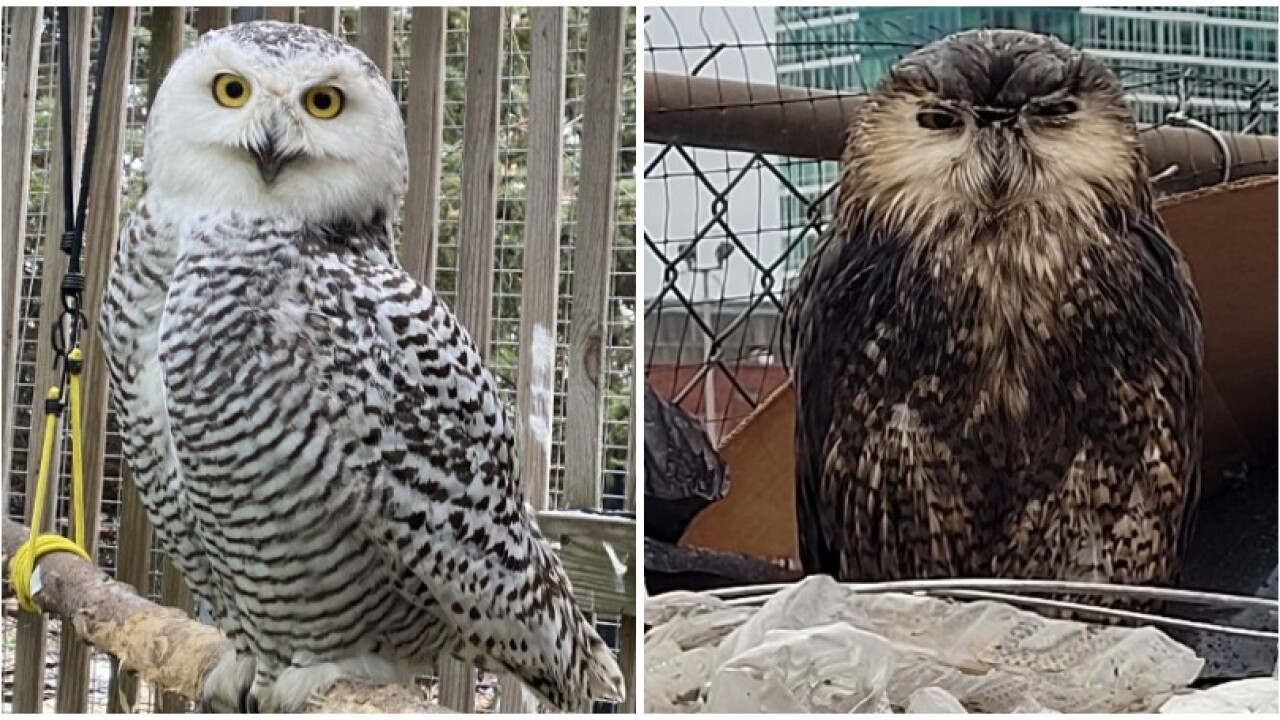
20	462
745	110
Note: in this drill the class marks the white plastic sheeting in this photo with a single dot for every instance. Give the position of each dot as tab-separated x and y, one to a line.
818	646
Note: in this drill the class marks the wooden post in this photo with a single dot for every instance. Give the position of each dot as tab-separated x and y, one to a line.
325	18
133	553
589	318
29	665
212	18
166	25
541	271
478	221
627	636
476	238
283	13
101	229
133	566
425	137
375	36
18	122
540	275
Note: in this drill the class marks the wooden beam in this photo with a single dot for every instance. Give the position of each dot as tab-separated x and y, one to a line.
18	119
102	225
375	38
424	134
588	327
29	666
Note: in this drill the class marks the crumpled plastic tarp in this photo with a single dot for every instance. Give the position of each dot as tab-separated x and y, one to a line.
1255	695
817	646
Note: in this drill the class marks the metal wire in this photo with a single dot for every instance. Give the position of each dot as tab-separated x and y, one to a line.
1151	592
1004	591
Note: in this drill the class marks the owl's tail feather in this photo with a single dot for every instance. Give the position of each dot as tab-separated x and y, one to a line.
604	677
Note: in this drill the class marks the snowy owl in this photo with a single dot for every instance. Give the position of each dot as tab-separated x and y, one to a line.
319	446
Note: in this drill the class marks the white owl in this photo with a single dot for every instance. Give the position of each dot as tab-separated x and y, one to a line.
314	435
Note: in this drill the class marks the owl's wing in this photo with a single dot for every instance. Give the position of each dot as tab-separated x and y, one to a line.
129	322
850	277
431	463
1173	410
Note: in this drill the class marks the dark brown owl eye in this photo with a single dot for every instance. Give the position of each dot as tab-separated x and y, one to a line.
1057	109
938	119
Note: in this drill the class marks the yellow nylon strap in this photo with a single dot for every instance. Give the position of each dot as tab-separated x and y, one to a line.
22	565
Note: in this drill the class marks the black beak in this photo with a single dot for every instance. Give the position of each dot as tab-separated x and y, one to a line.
269	157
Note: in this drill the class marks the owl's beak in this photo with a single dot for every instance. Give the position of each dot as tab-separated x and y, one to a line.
270	158
995	140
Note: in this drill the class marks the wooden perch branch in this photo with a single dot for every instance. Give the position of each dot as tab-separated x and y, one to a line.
162	644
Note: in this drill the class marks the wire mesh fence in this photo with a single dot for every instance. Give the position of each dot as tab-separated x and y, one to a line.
512	178
745	114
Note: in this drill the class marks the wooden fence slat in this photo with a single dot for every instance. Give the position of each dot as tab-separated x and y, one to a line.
133	566
212	18
424	135
133	551
29	667
628	638
326	18
476	229
375	38
18	120
588	327
540	274
628	661
101	228
283	13
478	221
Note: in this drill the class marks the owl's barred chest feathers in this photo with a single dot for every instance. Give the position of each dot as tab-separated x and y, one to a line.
986	317
315	436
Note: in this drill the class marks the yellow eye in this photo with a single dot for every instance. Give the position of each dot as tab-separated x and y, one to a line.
230	90
324	101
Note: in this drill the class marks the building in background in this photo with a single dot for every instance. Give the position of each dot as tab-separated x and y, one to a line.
1217	64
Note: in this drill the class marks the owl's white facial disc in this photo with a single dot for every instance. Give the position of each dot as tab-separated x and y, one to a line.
271	154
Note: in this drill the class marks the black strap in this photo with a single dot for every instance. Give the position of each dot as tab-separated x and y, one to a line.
75	211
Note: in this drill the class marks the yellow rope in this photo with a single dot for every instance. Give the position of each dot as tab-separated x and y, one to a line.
22	565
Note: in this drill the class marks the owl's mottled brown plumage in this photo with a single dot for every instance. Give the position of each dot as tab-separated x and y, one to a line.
997	351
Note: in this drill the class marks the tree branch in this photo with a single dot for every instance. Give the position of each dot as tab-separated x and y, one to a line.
162	644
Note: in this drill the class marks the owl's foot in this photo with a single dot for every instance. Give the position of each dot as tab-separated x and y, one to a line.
228	687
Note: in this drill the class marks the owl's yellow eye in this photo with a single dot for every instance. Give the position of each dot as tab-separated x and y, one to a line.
230	90
324	101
